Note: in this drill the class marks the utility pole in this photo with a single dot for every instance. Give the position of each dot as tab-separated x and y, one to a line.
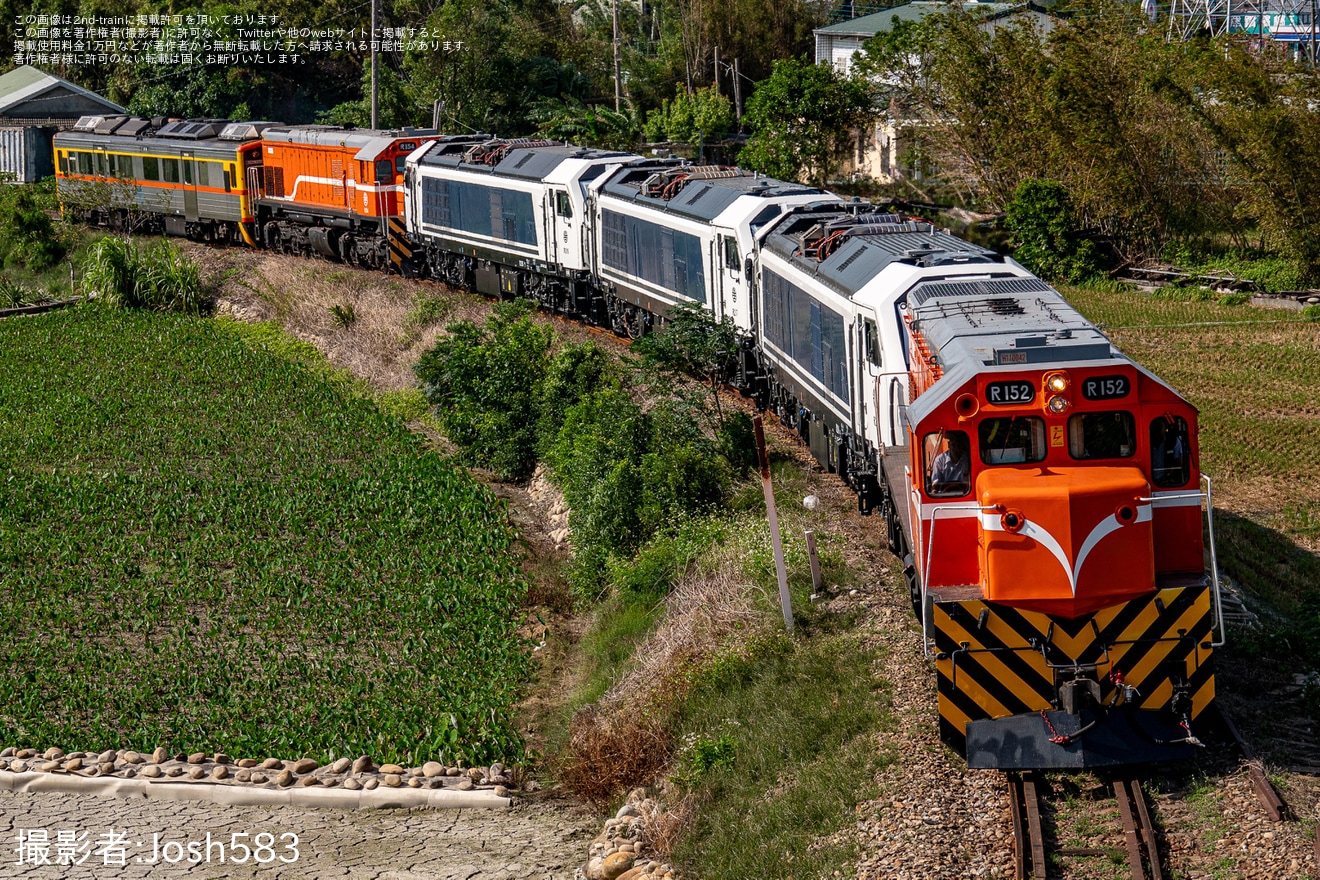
717	70
375	80
618	61
1313	33
737	93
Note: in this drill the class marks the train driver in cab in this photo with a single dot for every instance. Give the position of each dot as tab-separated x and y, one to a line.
951	472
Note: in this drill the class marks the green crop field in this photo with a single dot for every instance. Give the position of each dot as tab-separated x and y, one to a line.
205	546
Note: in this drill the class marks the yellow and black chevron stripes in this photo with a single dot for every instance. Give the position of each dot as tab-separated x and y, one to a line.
400	249
994	661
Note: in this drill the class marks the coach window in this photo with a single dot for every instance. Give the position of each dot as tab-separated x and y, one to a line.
150	168
947	464
63	158
562	205
1170	463
1012	440
169	170
188	176
1102	435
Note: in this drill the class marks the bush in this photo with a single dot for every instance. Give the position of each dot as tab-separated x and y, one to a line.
159	279
626	474
484	384
574	372
29	234
1049	240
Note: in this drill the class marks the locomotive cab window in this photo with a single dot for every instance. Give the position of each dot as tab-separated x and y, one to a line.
731	258
400	164
1012	440
1170	461
1102	435
384	171
563	207
947	464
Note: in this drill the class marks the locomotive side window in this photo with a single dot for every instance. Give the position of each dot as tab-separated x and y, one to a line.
563	206
731	258
1012	440
947	464
1170	463
384	171
169	170
1102	435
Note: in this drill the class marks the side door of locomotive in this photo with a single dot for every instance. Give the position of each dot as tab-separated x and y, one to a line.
188	175
730	281
563	228
868	360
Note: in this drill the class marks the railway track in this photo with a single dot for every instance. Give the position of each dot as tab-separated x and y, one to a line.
1030	838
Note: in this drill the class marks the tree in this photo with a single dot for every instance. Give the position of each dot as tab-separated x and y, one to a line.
572	121
1046	233
694	118
802	117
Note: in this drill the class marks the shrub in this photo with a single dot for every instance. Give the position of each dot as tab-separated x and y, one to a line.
29	234
626	474
159	279
483	382
573	373
1049	240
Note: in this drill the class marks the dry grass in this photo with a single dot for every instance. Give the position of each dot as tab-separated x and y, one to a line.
625	739
706	606
612	752
383	341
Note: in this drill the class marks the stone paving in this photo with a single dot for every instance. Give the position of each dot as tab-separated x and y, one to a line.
151	840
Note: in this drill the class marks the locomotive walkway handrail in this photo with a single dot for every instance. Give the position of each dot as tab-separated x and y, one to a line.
927	638
1208	497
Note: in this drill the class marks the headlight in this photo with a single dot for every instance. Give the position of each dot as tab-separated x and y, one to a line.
1056	383
1058	404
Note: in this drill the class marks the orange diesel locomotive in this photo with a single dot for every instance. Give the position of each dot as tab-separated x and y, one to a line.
336	192
1056	551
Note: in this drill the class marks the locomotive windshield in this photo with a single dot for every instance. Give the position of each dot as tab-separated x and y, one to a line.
1102	435
1012	440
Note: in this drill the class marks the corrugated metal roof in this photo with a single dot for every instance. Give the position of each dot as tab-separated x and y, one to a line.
24	88
877	22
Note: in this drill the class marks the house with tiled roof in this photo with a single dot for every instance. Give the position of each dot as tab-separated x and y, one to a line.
33	106
876	152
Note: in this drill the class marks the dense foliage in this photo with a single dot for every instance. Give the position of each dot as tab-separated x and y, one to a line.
802	118
484	64
1045	232
1205	142
627	471
213	549
483	382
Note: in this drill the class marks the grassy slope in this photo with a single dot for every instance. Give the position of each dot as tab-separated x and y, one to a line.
206	546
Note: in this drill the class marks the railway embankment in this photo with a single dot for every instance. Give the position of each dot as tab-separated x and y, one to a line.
913	810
